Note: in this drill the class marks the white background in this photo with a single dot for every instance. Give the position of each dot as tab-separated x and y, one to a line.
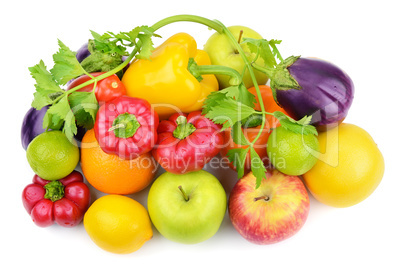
362	37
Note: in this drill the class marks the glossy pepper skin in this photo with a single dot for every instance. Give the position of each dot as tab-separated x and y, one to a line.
165	81
63	202
126	127
187	142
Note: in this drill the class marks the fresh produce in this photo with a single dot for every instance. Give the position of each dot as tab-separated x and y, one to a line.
95	59
270	105
292	153
32	125
187	208
62	201
165	79
315	87
222	52
126	127
267	132
349	169
275	211
82	52
118	224
112	175
250	128
106	89
52	156
187	142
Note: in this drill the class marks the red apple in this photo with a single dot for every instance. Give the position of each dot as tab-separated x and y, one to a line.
275	211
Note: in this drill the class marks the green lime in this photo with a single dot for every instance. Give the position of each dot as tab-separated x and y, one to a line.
292	153
52	156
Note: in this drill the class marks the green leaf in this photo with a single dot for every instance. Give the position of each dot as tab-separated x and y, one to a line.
238	135
66	65
215	97
84	106
45	86
245	96
228	111
257	167
238	158
301	127
264	49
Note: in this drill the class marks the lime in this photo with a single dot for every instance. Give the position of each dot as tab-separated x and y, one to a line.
52	156
292	153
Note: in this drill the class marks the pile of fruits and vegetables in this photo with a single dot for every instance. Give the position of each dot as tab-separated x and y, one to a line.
121	109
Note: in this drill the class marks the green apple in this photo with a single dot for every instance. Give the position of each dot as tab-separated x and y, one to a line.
187	208
222	52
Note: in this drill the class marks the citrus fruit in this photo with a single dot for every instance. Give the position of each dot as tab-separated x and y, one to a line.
292	153
118	224
349	169
52	156
110	174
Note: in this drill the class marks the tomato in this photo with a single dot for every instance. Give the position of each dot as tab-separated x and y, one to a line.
250	133
106	90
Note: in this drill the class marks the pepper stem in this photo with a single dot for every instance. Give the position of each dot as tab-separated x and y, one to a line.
54	191
125	125
183	129
198	70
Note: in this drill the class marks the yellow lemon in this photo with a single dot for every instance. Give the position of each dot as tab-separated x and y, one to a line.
349	169
118	224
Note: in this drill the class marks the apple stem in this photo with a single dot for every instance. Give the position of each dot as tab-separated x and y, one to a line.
240	36
183	193
266	198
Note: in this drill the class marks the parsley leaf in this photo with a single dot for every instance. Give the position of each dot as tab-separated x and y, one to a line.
301	127
66	65
257	167
45	86
238	158
84	106
228	111
264	49
238	135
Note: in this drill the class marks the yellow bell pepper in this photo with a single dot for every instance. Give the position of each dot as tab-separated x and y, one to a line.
165	81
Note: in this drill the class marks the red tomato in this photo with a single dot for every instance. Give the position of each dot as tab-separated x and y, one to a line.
106	90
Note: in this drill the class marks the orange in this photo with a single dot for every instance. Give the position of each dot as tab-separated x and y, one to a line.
349	168
112	175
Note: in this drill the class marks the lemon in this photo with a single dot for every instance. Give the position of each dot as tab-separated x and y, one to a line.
118	224
349	168
52	156
292	153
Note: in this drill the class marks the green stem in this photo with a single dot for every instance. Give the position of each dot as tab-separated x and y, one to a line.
253	78
191	18
100	77
236	77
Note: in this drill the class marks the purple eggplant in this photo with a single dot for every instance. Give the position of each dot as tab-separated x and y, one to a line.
82	52
32	125
315	87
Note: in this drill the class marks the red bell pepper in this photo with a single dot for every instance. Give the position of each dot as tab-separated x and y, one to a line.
64	201
126	126
106	89
187	142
